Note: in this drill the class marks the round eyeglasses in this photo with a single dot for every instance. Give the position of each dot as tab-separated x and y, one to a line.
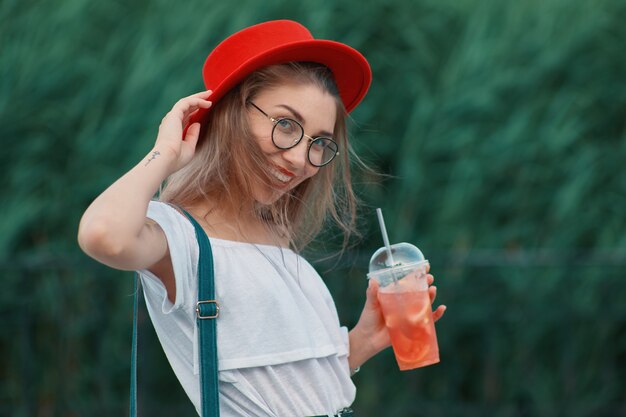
287	133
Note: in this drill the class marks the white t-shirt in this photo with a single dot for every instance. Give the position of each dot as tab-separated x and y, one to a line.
281	350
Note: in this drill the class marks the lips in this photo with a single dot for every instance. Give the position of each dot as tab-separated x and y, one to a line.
284	176
285	171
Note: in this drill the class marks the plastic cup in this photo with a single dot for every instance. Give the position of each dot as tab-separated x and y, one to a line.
403	296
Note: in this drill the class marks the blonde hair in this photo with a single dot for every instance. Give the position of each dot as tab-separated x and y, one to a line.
228	163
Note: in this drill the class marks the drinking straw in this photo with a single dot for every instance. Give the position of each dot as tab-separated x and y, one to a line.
383	230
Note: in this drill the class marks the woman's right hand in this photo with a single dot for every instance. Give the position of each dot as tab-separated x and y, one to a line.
170	138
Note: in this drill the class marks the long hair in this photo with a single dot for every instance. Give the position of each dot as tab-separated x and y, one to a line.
228	163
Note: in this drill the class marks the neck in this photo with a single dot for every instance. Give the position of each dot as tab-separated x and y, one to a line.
242	225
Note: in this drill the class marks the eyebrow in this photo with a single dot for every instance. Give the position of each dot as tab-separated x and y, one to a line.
301	119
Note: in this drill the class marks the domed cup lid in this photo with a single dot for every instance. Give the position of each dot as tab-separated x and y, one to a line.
403	255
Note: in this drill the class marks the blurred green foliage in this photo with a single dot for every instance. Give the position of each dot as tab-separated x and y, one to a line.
503	127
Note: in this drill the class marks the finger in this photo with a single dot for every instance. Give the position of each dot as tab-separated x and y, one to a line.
189	105
372	287
200	102
438	313
203	94
432	293
191	137
194	103
372	292
189	116
193	131
430	279
186	117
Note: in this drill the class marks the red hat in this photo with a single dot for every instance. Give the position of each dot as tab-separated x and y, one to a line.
277	42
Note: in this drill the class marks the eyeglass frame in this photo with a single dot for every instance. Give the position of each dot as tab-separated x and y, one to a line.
311	139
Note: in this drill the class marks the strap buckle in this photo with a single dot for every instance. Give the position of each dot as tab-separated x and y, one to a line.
212	316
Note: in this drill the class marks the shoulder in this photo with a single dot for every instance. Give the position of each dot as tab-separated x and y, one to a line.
162	209
167	214
178	230
178	269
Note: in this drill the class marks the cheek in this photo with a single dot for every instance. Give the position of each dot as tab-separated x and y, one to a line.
261	136
264	142
310	171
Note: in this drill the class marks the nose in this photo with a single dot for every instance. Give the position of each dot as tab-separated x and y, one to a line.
297	156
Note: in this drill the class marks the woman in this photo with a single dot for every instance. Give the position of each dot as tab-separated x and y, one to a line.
260	172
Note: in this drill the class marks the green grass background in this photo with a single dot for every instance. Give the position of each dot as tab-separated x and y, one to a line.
502	125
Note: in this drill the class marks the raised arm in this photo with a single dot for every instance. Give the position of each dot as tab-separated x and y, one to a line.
114	229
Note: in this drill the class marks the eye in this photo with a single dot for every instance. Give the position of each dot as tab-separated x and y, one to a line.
318	145
321	144
287	126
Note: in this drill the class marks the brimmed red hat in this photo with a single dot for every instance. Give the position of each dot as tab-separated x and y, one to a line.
277	42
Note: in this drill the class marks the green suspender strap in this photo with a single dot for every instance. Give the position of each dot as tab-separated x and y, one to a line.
207	310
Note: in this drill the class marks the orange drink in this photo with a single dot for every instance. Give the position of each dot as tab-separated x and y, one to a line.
401	272
408	317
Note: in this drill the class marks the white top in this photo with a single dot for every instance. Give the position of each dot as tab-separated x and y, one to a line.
281	350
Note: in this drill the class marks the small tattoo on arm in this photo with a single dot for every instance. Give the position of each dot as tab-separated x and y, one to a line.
154	155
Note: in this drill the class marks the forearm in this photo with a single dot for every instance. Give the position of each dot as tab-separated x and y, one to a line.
370	335
118	214
362	347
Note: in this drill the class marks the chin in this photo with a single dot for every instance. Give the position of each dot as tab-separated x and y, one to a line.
268	197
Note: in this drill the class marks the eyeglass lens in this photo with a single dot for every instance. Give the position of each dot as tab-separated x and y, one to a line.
287	133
